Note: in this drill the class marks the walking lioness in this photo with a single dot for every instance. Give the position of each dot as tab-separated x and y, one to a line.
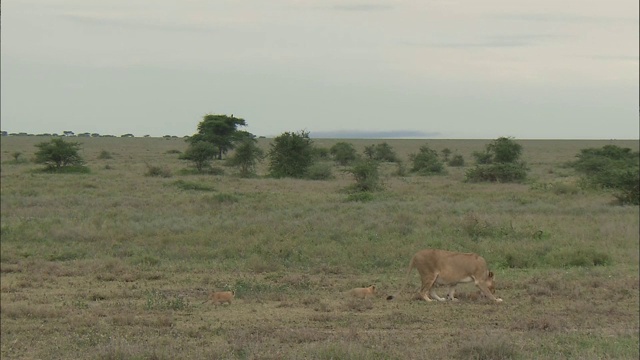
450	268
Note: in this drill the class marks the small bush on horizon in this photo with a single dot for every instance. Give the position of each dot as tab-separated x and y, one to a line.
366	175
426	162
158	171
343	153
381	152
456	161
104	154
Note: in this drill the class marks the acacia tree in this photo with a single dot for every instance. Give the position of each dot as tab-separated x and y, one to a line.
58	153
221	131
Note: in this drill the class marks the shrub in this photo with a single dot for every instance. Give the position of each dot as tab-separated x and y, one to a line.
497	173
200	153
456	161
246	156
320	153
426	162
446	152
290	155
104	154
159	171
366	175
18	158
319	171
58	153
611	167
381	152
504	150
343	153
483	157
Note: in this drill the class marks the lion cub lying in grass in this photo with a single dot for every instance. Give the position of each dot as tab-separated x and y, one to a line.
362	293
221	297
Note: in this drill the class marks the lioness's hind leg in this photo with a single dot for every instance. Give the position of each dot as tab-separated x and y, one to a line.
427	284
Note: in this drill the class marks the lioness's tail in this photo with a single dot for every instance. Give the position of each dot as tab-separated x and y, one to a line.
406	282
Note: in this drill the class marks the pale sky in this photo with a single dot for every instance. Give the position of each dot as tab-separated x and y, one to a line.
545	69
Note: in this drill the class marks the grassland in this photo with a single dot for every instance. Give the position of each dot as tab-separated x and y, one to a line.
114	264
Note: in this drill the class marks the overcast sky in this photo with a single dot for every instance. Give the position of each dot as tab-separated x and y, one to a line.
556	69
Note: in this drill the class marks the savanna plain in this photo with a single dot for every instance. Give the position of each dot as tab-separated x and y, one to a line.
116	264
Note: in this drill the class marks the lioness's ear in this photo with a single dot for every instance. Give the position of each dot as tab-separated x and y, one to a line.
490	274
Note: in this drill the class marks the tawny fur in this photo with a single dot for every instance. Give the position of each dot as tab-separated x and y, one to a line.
450	268
221	297
363	293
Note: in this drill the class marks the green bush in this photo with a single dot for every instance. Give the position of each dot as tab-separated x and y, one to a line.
499	163
366	175
58	153
426	162
381	152
200	153
290	155
501	172
246	157
611	167
320	153
343	153
158	171
483	157
319	171
456	161
104	154
18	158
504	150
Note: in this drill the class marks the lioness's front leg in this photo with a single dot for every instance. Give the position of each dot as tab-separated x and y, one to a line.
435	296
487	293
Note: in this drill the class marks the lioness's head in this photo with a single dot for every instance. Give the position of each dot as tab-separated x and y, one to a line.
490	284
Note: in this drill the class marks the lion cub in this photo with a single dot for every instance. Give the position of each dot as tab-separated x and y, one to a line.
221	297
363	293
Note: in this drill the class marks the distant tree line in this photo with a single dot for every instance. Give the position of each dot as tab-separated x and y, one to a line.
294	155
68	133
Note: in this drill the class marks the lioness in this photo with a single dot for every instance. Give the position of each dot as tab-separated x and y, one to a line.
221	297
450	268
363	293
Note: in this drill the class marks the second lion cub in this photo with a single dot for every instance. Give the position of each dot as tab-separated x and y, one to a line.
363	293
